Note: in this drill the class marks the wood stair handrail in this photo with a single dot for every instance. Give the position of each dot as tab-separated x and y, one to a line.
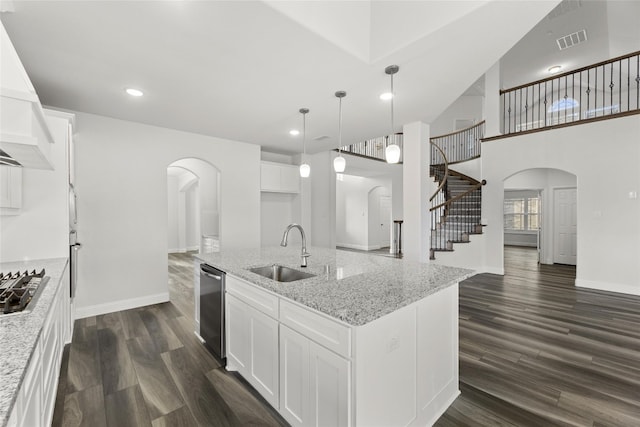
459	196
446	171
458	131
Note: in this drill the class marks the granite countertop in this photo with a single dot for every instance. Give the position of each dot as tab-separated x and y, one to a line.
359	287
19	332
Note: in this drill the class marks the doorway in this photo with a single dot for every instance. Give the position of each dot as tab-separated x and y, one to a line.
193	225
540	214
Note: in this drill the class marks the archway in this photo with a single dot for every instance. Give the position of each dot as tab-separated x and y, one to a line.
193	224
539	209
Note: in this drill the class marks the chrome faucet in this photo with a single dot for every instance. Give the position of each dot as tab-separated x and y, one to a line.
285	236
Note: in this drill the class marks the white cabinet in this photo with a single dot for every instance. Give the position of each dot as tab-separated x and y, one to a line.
314	382
36	398
252	344
279	178
295	382
10	190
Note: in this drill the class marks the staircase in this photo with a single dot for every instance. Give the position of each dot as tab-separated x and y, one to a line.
456	206
459	218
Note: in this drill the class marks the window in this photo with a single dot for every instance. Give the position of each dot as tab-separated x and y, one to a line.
521	211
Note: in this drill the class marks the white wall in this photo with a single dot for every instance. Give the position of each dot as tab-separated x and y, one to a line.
352	210
466	107
322	191
277	212
173	240
42	228
604	156
192	223
545	180
122	206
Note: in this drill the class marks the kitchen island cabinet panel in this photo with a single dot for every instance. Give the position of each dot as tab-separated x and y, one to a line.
330	388
252	347
294	377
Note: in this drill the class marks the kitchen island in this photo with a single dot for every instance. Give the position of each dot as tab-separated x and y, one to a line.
368	340
31	349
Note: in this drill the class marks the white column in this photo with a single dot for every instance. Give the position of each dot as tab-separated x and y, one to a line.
323	200
492	110
416	187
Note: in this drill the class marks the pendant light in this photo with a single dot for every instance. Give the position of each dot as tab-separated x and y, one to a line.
392	152
305	169
339	162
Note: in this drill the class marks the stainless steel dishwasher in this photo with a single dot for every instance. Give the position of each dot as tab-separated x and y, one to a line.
212	310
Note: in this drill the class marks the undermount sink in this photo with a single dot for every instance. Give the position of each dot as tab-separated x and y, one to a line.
280	273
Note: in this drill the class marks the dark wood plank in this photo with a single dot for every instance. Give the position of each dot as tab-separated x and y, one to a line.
250	410
184	330
115	362
84	359
126	408
205	403
61	392
159	331
533	344
158	389
132	324
85	408
181	417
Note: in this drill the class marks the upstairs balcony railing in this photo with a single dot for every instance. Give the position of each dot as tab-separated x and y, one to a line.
604	90
375	148
458	146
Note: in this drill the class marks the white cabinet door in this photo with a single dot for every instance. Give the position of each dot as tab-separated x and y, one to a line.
269	177
290	179
279	178
237	333
10	190
330	378
263	332
252	347
294	377
314	381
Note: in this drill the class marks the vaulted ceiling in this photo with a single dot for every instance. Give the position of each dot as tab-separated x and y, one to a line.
241	69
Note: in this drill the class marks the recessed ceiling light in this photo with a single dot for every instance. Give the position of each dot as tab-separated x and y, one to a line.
386	96
294	132
134	92
555	69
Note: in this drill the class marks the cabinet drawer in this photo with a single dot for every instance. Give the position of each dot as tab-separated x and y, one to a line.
326	332
252	295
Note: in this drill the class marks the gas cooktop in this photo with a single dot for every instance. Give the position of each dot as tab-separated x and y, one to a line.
18	290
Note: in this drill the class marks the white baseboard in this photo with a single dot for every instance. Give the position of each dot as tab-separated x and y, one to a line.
183	250
110	307
351	246
622	288
360	247
491	270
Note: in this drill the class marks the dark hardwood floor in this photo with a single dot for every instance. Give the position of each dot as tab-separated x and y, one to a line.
537	351
145	367
534	351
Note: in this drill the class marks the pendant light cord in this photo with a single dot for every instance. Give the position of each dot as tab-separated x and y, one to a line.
392	96
304	136
340	126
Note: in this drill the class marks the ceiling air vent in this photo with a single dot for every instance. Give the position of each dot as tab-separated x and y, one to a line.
321	137
572	39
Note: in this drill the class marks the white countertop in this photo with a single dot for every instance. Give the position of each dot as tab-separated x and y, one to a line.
19	332
359	287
